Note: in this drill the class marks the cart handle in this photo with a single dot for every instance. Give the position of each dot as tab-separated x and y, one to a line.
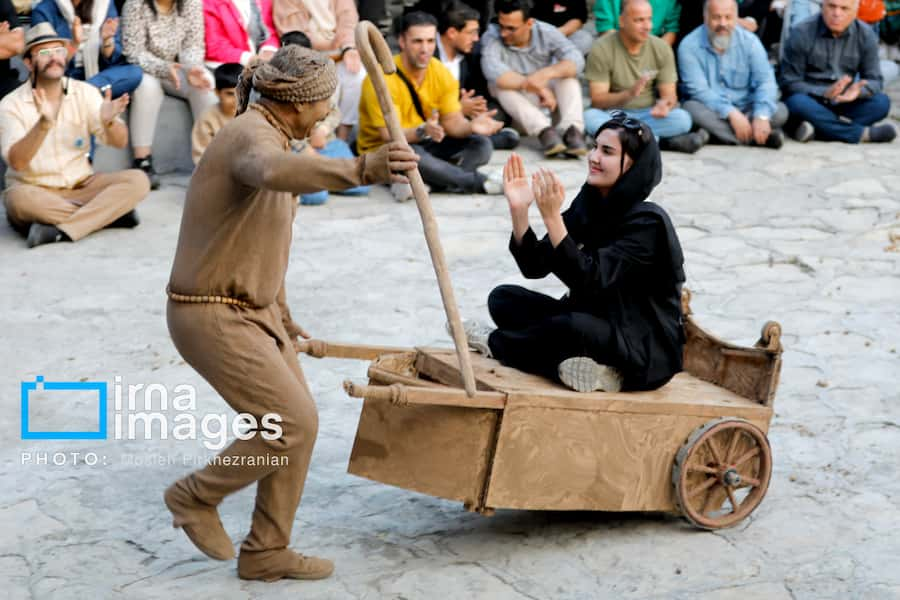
322	349
376	57
402	395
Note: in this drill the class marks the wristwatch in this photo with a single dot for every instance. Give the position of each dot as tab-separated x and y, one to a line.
421	133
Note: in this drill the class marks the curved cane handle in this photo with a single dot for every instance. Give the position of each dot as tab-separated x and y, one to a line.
377	59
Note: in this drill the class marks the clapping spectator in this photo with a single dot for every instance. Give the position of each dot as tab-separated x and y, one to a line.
53	193
831	78
164	38
634	71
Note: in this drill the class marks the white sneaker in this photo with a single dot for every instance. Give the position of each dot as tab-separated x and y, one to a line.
401	192
493	185
584	374
477	334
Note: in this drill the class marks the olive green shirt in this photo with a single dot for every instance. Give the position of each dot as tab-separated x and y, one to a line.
609	62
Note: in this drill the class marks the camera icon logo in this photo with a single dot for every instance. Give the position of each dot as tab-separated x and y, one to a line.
60	390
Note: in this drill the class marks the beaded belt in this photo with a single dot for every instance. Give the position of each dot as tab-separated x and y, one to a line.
207	299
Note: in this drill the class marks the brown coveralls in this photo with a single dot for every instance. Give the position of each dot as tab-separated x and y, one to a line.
235	241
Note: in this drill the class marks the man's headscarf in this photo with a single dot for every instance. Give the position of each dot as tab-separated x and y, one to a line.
293	75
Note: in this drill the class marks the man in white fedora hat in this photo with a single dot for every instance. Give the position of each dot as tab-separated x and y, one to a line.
46	125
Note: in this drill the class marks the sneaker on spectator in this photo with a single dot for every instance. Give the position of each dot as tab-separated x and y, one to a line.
686	142
880	134
493	185
584	374
775	139
894	53
505	139
401	192
477	334
146	165
551	142
804	132
573	138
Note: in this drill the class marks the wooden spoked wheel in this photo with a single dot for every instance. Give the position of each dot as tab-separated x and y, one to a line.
722	472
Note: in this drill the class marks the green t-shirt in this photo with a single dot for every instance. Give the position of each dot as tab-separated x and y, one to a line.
609	61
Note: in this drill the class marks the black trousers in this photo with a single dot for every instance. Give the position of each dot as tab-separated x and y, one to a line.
536	332
449	165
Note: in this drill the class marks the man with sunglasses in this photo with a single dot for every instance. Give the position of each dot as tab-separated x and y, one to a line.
53	194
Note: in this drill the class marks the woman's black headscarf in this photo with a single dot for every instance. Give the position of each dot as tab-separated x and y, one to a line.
600	217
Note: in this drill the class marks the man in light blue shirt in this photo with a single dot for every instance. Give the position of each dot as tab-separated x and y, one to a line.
728	82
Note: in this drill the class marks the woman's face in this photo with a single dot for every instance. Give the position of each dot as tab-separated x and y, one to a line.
605	161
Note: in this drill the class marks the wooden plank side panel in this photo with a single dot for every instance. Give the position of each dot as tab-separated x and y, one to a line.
559	459
437	450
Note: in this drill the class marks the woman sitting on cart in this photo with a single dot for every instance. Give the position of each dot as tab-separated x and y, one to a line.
620	325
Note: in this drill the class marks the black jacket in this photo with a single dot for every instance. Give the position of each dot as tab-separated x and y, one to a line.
622	261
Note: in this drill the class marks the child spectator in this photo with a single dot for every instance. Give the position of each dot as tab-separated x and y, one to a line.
217	115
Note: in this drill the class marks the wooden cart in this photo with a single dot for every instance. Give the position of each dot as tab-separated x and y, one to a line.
460	426
697	446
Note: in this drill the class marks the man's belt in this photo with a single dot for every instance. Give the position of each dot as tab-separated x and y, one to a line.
176	297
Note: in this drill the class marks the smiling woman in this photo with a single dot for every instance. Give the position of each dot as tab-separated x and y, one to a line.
620	324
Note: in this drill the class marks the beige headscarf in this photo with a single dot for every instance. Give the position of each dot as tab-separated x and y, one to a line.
294	74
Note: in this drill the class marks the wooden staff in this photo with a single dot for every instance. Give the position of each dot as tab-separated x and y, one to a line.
367	37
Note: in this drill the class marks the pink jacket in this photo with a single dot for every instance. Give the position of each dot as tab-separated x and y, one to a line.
226	38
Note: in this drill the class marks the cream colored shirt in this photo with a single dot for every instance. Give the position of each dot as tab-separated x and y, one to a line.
62	159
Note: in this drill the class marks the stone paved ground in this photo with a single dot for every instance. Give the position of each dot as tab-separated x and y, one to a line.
799	236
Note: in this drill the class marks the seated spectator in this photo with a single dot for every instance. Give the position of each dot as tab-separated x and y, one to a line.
216	116
831	79
756	16
45	128
666	17
450	147
569	16
322	139
238	30
93	27
458	36
329	25
12	42
728	81
164	38
436	8
530	66
627	69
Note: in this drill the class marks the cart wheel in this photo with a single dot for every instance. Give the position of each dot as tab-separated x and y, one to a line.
721	473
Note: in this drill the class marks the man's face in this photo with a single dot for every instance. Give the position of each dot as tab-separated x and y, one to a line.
515	30
48	61
838	14
636	22
227	101
417	45
464	39
720	19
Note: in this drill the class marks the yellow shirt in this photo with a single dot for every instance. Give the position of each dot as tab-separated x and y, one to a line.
62	159
439	90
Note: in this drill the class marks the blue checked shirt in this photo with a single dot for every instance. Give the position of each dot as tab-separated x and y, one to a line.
740	78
